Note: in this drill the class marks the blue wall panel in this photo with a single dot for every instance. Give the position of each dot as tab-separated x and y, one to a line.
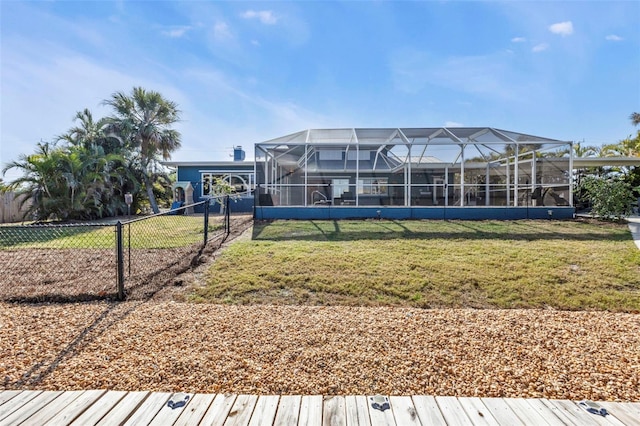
191	174
463	213
241	205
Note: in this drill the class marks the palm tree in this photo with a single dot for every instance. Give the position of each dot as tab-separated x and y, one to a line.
42	182
90	133
581	151
143	120
635	118
104	177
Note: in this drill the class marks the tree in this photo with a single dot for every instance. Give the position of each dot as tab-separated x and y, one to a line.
581	151
143	120
41	181
629	147
90	134
106	176
635	118
610	198
70	181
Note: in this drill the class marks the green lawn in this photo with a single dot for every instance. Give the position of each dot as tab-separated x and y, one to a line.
487	264
153	233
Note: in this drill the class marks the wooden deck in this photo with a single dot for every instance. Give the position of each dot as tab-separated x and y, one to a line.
100	407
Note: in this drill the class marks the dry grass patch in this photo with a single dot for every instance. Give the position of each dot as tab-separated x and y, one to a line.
488	264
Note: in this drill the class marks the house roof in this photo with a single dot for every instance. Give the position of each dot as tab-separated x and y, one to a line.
216	164
416	135
580	162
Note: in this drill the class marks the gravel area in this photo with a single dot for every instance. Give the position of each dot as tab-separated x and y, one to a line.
171	346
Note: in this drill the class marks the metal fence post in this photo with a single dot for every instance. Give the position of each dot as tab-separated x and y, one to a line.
206	222
120	261
227	215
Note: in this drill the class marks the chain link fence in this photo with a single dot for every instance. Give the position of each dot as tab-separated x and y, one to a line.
127	258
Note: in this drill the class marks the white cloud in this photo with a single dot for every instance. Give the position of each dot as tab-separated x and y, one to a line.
562	28
518	40
452	124
265	16
613	37
540	47
221	31
176	32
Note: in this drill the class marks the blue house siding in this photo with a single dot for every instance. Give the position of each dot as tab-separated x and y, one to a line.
193	174
243	204
446	213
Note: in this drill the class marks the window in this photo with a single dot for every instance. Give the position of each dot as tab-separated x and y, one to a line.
339	187
362	155
242	183
330	154
373	186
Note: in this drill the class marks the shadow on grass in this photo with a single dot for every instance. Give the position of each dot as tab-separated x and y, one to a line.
333	230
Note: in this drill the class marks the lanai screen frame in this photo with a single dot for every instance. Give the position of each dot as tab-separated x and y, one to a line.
413	167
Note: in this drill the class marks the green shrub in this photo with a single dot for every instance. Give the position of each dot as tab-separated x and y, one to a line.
610	198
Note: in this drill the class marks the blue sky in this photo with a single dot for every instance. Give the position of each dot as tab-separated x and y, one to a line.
244	72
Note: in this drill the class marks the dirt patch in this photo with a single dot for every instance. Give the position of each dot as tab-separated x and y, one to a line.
57	275
169	346
180	281
72	275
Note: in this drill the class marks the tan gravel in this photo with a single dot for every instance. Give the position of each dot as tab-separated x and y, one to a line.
170	346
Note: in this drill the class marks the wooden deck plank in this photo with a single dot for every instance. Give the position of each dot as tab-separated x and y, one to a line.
310	411
357	410
602	420
606	420
74	409
117	407
8	395
626	413
380	418
30	408
569	410
452	411
265	410
54	407
194	412
124	408
241	411
428	410
93	414
168	415
529	414
560	412
17	402
334	411
219	410
501	411
477	411
288	410
146	411
404	412
550	415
